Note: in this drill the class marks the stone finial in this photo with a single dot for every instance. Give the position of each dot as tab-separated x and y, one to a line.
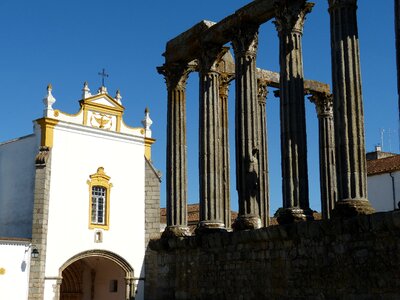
118	97
48	102
102	90
147	122
86	91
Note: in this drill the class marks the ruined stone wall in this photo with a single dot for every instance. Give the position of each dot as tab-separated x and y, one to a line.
357	258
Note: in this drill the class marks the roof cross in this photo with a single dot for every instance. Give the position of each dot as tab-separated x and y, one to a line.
103	75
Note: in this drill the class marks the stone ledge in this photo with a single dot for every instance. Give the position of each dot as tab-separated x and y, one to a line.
313	230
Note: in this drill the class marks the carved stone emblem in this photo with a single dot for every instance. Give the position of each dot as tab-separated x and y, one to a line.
100	120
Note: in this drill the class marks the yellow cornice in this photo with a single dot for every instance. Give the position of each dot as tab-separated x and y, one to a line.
47	131
147	147
57	112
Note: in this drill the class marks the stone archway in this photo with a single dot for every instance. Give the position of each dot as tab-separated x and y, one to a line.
96	274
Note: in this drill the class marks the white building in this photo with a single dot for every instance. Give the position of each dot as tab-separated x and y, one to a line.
76	194
383	180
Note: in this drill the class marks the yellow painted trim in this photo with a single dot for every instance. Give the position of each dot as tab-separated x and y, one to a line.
85	117
147	147
90	100
102	108
100	179
47	131
118	125
57	112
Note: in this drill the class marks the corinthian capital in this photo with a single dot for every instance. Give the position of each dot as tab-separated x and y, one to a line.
176	74
210	57
262	90
224	81
245	41
323	104
290	18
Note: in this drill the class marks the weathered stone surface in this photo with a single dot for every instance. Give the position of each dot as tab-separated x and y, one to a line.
289	21
175	231
327	157
245	44
249	221
210	136
176	75
356	258
263	191
348	109
40	223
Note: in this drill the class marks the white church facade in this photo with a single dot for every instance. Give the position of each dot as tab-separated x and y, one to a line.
78	203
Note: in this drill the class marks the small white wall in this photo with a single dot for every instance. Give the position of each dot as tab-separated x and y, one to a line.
15	262
17	179
380	191
77	153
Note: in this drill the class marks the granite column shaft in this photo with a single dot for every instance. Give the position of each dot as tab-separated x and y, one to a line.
348	110
327	163
289	23
224	80
210	131
176	185
263	173
247	127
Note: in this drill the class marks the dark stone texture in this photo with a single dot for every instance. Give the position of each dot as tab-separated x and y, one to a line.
355	258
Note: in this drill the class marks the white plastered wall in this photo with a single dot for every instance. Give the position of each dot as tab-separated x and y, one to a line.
14	269
17	180
380	191
78	152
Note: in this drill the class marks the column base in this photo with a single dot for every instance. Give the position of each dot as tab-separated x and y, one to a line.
246	222
294	214
348	208
210	226
175	231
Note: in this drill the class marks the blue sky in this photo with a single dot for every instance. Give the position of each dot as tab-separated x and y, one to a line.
69	42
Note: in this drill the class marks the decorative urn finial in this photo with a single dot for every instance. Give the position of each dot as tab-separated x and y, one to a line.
48	102
86	91
147	122
118	97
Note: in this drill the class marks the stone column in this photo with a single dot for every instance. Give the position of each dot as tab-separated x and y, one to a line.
263	195
247	144
224	80
327	164
348	111
40	223
289	24
210	132
176	76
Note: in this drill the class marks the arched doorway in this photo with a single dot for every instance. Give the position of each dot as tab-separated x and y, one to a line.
96	275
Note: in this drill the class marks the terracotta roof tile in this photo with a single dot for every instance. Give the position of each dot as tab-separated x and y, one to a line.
383	165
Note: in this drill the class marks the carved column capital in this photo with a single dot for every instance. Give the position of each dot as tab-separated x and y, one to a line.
176	74
262	90
323	104
245	42
291	18
210	57
224	81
